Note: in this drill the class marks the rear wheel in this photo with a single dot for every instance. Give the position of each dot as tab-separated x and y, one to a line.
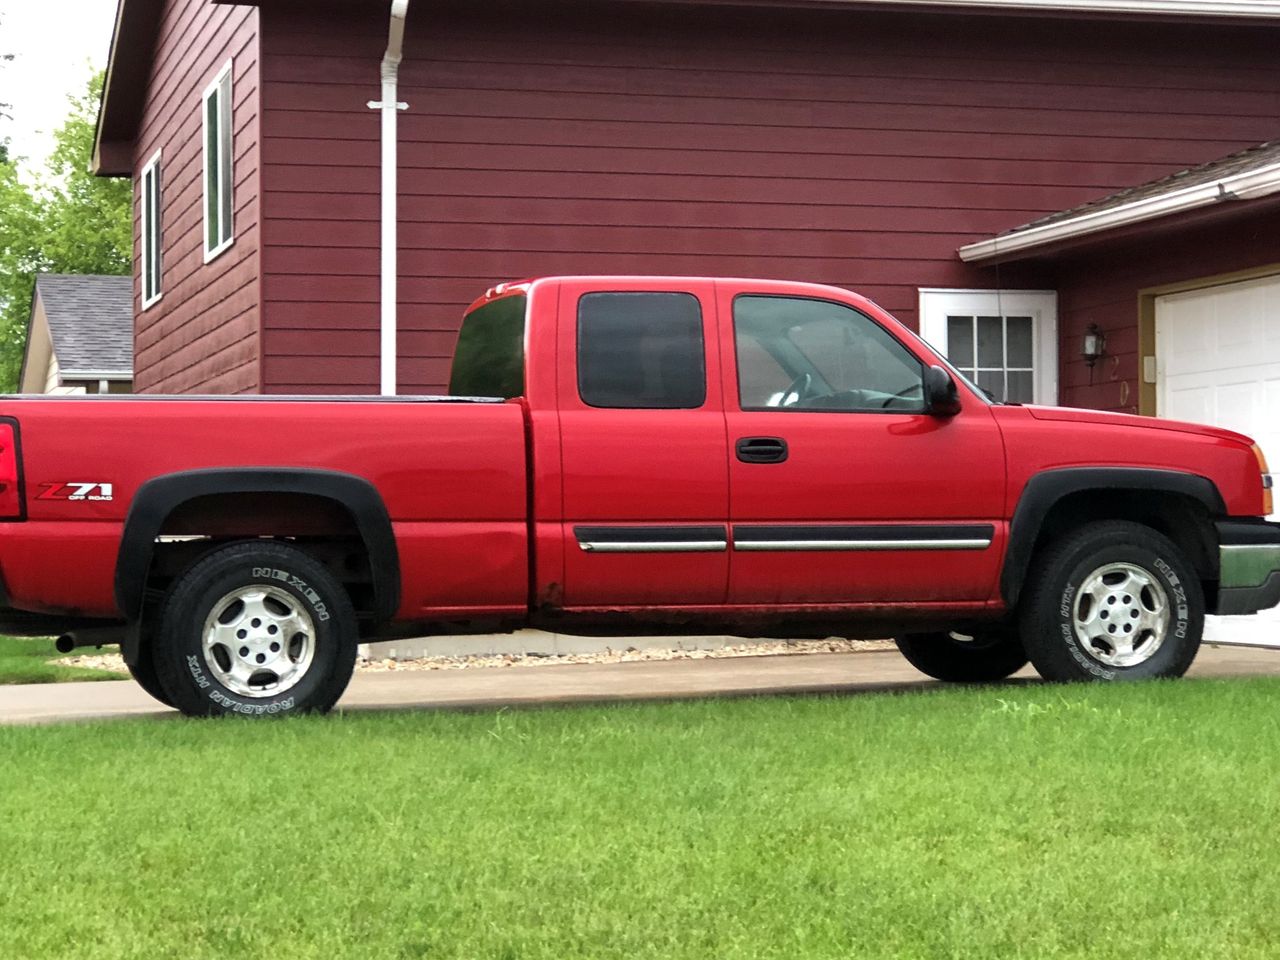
1113	601
982	657
257	629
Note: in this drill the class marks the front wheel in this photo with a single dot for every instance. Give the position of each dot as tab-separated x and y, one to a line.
987	656
255	628
1113	601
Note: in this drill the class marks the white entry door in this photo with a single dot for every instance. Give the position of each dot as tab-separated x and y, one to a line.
1005	341
1218	362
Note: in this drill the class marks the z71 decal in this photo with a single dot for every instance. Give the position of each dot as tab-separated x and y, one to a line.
75	491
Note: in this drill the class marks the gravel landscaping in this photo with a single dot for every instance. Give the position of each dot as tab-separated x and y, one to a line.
766	648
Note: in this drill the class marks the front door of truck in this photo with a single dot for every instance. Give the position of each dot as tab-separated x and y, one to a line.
842	489
643	447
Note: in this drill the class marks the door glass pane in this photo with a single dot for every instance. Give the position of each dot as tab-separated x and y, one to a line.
1021	387
832	357
992	380
990	342
1019	333
960	341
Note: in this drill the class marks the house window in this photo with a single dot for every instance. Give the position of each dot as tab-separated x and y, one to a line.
217	165
149	202
1005	341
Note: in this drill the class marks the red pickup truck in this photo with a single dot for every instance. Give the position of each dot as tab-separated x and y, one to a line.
628	455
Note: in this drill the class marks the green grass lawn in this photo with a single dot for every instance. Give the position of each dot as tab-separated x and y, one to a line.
1021	821
26	660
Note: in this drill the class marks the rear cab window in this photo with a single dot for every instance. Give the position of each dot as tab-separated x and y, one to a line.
641	351
489	359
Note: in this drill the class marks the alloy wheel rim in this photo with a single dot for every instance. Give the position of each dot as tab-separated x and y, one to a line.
1121	615
258	641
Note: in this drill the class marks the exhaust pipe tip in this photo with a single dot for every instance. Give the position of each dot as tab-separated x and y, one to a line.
65	643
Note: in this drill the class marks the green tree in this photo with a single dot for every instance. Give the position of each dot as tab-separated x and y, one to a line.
66	221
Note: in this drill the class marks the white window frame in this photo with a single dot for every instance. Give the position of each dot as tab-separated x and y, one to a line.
151	232
936	304
220	91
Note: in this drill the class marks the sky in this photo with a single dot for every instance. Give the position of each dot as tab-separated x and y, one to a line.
57	44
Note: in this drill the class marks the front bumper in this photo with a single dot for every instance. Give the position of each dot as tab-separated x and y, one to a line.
1248	565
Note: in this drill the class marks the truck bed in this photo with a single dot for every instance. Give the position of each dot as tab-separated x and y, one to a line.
450	471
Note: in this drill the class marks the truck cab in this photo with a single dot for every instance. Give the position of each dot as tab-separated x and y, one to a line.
746	446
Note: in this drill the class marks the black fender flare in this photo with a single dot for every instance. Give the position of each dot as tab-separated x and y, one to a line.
160	496
1045	489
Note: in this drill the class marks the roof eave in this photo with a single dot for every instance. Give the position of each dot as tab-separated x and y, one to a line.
124	86
1250	185
31	322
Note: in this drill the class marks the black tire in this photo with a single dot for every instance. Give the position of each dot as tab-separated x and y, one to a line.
144	672
302	641
984	657
1054	603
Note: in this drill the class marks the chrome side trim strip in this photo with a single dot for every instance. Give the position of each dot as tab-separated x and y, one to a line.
852	545
654	546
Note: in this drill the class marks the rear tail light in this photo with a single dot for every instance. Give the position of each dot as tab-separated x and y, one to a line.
11	502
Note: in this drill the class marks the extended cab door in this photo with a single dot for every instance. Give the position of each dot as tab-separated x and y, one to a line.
842	489
643	448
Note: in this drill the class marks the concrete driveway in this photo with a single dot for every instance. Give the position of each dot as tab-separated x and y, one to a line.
850	673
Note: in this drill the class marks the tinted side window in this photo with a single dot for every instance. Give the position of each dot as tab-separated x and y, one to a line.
641	350
489	360
821	356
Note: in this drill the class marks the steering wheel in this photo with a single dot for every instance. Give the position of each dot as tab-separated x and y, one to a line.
799	387
903	395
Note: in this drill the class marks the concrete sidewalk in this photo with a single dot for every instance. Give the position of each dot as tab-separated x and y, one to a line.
850	673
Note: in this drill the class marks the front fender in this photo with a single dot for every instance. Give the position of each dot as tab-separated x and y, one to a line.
1044	490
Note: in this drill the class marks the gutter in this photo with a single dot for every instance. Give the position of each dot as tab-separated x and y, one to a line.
113	375
1250	185
390	107
1264	9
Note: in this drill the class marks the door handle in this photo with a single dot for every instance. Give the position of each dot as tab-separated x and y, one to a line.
762	449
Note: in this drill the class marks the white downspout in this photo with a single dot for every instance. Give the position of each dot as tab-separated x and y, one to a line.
389	106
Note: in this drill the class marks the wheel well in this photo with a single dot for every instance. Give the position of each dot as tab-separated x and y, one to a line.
1180	517
325	528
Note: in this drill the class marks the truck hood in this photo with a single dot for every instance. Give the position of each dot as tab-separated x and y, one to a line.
1074	415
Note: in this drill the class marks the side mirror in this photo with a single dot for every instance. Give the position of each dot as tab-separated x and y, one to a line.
941	398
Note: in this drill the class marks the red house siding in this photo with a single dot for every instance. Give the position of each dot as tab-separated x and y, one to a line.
203	335
853	148
1103	286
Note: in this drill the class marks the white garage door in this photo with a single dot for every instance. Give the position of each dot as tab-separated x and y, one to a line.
1218	362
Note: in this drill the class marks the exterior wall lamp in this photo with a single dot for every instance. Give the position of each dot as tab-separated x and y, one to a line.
1095	345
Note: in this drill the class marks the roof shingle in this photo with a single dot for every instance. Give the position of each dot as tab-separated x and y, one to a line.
90	321
1254	158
